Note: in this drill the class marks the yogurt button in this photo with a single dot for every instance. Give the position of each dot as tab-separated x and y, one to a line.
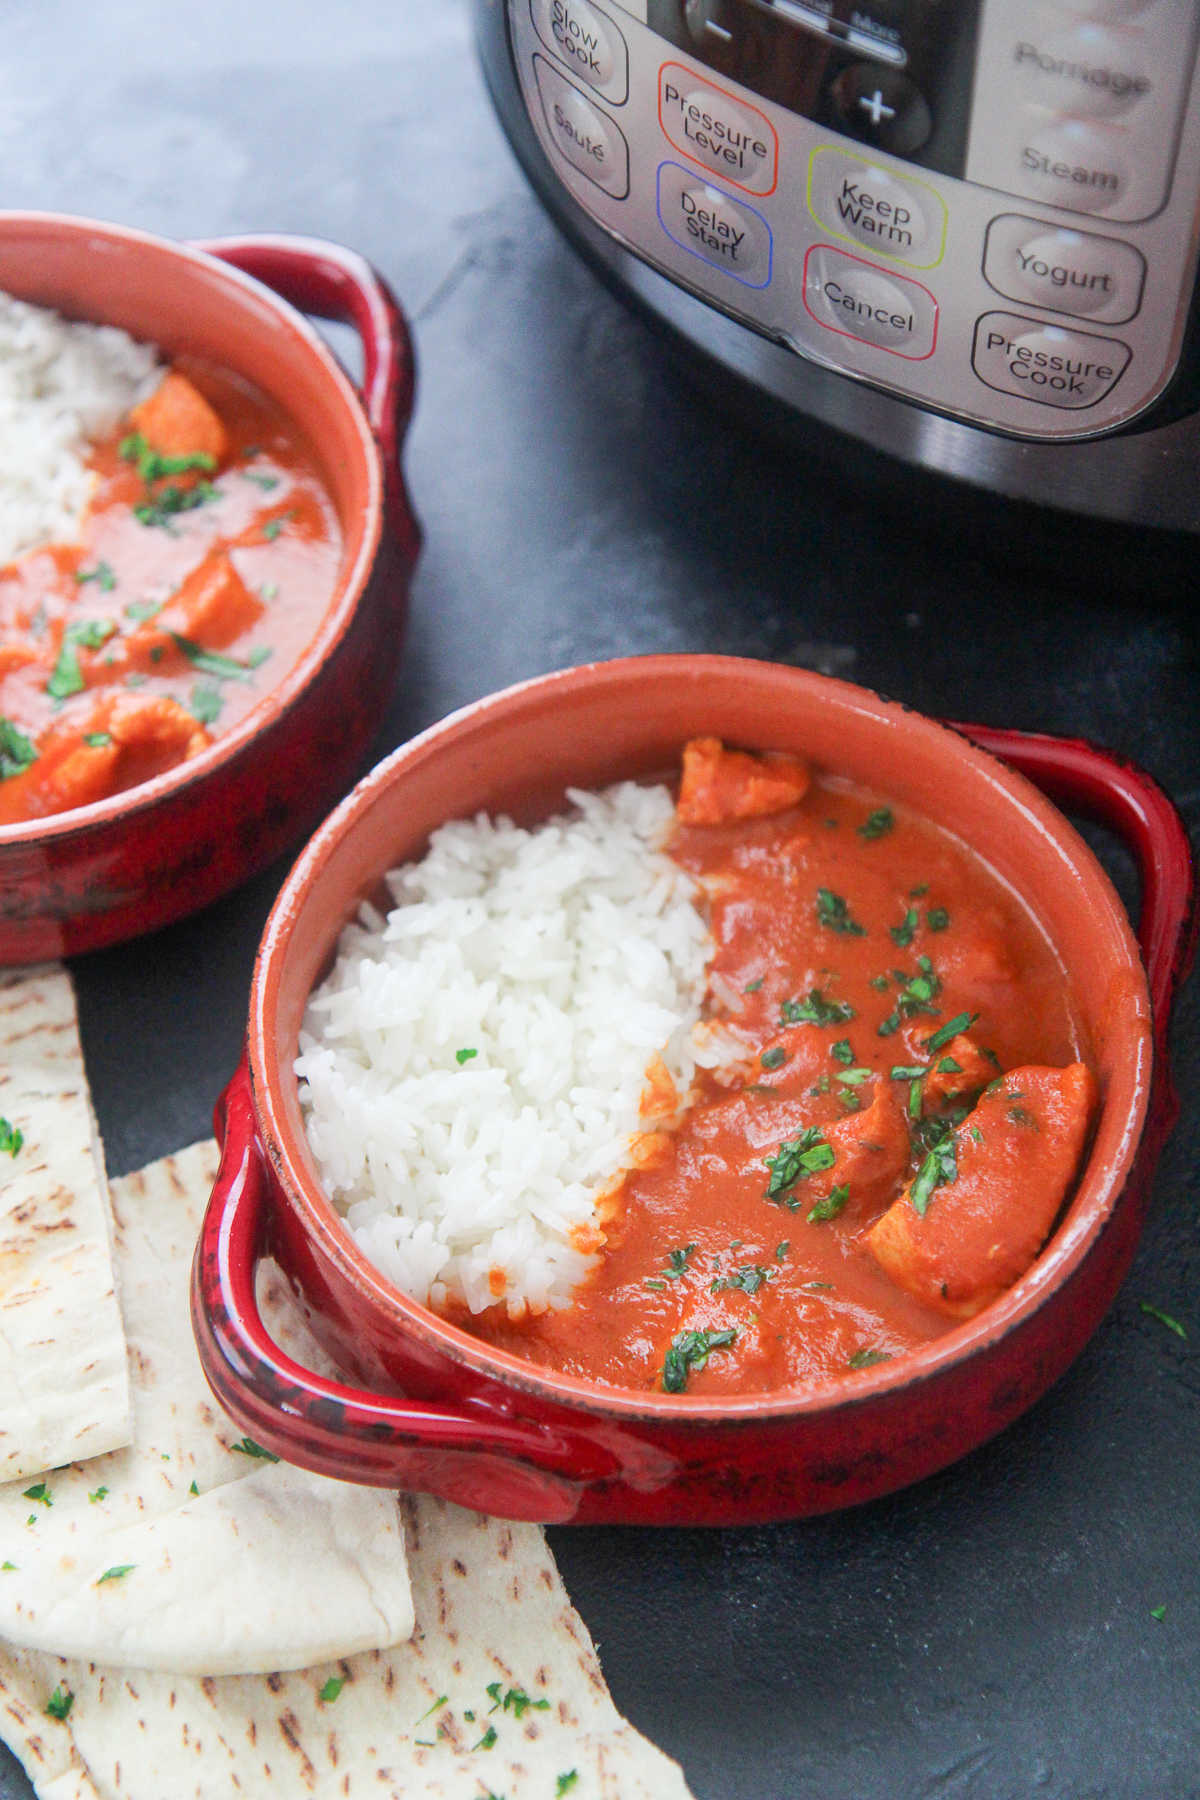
1064	270
1073	164
582	133
872	305
1084	70
587	41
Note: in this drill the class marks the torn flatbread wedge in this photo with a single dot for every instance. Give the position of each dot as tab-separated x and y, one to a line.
192	1550
499	1693
64	1389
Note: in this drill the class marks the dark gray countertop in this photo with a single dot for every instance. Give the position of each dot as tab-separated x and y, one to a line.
989	1633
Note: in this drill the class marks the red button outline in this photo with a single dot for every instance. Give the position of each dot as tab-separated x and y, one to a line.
889	275
742	105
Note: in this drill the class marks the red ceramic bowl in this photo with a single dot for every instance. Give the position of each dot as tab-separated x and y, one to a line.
489	1430
99	873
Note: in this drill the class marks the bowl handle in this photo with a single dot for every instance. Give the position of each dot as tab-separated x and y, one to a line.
329	281
477	1456
1083	779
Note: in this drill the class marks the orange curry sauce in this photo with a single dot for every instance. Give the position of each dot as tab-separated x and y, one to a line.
191	592
902	1119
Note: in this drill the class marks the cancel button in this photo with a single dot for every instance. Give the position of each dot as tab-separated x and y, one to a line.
872	305
1047	364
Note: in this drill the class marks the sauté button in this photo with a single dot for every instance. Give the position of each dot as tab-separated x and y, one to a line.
714	226
588	139
588	41
1063	270
1047	364
875	306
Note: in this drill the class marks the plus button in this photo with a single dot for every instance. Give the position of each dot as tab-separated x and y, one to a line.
875	107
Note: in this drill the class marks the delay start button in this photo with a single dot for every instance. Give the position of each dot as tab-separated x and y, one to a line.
1046	363
874	306
714	226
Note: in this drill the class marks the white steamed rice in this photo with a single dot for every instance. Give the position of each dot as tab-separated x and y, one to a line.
62	385
566	957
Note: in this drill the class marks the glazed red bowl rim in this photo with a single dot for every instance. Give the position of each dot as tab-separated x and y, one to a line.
352	579
330	1235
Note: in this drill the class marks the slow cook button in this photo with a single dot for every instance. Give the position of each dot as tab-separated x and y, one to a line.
588	139
1064	271
1047	364
896	217
725	134
588	42
714	226
874	306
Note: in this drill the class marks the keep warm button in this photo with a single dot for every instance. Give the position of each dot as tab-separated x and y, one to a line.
1047	364
872	305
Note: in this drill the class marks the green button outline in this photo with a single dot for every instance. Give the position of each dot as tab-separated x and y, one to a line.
848	237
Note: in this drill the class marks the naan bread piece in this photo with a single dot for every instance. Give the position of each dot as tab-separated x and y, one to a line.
64	1388
499	1693
187	1551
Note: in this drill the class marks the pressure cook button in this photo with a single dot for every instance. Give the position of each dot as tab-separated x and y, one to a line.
1085	70
715	129
1064	271
1046	363
588	41
714	226
1072	164
881	106
896	217
585	136
874	306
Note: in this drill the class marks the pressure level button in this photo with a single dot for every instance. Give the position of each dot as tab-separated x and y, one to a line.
1062	270
1046	364
717	130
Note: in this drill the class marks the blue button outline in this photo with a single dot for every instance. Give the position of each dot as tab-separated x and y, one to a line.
735	201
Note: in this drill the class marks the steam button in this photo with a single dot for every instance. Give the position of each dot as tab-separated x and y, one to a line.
1073	164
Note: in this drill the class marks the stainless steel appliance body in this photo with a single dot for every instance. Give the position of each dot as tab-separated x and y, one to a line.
964	231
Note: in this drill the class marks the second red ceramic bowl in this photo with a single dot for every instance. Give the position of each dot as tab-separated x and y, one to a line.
423	1405
103	872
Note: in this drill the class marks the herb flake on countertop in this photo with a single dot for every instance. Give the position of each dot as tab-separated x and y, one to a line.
59	1705
690	1350
1164	1318
116	1573
331	1689
11	1138
515	1700
248	1447
40	1492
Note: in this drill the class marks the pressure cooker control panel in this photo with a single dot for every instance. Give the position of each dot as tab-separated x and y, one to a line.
991	207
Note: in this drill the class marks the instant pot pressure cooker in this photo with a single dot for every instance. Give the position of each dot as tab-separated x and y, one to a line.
962	231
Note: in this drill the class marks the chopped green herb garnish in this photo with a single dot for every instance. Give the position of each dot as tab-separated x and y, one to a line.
856	1077
962	1021
331	1689
880	982
141	610
691	1350
39	1492
442	1700
816	1010
248	1447
193	1489
11	1138
795	1158
752	987
565	1783
6	1566
16	750
60	1703
487	1740
833	1203
747	1280
205	703
976	1134
170	501
916	996
904	933
153	466
102	575
937	918
273	527
948	1066
516	1700
939	1166
116	1573
916	1090
834	914
1163	1318
841	1051
918	893
98	1494
67	676
774	1058
782	1248
1158	1612
265	482
877	823
677	1262
211	662
866	1359
97	740
464	1056
269	590
907	1071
